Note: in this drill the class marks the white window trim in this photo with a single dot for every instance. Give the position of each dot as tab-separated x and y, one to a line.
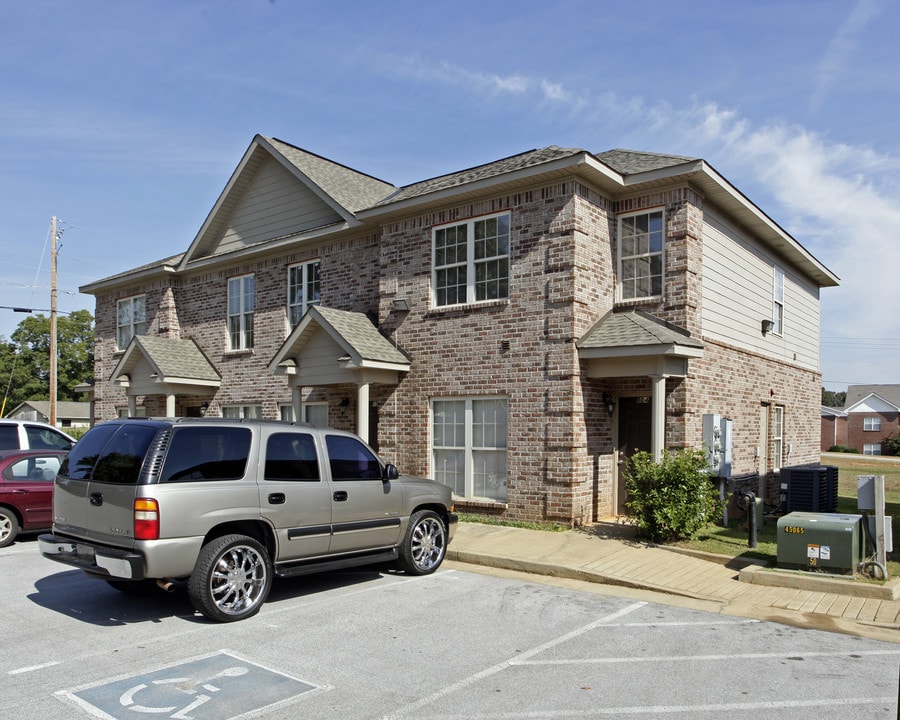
468	446
470	263
130	300
304	304
778	437
778	301
872	449
619	257
245	335
871	424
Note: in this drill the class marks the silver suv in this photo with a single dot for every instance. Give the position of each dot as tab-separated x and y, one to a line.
228	504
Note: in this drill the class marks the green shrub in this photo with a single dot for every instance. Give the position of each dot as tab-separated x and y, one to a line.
671	499
842	449
891	444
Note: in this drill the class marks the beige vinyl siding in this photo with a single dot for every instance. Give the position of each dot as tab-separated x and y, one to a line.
275	204
738	281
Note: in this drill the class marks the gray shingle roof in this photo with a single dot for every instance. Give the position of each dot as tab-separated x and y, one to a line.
481	172
177	358
351	189
855	393
634	328
628	162
361	335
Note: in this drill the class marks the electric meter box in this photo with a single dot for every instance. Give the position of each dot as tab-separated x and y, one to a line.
832	542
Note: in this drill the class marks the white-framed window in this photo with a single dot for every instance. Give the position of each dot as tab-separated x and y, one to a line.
139	411
469	446
778	302
236	412
131	319
778	437
872	424
315	413
872	449
240	312
641	239
303	289
470	261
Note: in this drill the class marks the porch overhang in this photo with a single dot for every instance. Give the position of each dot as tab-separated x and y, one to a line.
165	366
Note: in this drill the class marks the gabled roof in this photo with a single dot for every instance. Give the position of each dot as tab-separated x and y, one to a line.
362	342
889	393
64	409
833	412
173	361
873	402
635	332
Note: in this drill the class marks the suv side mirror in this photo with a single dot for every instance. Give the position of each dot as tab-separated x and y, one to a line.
391	472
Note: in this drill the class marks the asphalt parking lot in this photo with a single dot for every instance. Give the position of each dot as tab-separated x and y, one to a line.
379	644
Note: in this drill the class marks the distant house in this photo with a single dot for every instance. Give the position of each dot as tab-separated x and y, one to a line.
68	414
834	428
873	415
515	330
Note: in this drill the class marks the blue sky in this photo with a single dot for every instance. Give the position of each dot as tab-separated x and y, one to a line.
125	119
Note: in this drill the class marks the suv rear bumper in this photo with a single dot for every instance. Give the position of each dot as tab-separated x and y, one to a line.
94	559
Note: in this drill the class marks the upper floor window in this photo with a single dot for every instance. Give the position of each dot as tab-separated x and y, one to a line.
641	255
778	302
872	423
471	261
240	313
303	289
131	319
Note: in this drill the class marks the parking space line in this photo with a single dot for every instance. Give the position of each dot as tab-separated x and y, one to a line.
32	668
705	658
504	664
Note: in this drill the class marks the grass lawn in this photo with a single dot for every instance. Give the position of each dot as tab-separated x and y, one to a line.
732	540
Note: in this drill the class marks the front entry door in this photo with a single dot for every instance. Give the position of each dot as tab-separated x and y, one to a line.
634	434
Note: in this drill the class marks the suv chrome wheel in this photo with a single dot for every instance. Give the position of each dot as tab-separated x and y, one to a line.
425	543
232	578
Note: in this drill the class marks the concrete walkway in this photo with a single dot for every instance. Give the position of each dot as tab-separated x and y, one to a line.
605	553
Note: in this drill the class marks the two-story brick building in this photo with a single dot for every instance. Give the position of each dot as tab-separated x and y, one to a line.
514	330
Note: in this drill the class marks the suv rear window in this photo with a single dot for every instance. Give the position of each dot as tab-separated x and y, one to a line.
9	437
206	453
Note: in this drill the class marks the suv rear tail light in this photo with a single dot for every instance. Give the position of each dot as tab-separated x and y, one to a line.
146	519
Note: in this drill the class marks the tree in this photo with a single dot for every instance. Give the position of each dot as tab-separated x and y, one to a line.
833	399
25	358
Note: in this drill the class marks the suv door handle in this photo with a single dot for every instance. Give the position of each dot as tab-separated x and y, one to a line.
97	499
276	498
340	496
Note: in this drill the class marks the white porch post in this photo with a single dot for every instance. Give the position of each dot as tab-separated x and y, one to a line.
170	405
362	411
132	406
658	416
296	405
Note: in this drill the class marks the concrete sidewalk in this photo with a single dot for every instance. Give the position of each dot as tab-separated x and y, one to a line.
608	554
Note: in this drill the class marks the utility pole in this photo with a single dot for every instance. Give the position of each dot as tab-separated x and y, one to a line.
53	321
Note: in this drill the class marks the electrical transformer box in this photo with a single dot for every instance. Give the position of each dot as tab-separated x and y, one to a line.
831	542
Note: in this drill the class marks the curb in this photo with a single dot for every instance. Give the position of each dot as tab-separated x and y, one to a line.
800	580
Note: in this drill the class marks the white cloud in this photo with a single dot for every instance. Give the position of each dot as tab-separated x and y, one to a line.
842	47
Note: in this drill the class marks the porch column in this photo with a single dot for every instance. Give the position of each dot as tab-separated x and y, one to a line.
132	406
296	405
170	405
362	411
658	416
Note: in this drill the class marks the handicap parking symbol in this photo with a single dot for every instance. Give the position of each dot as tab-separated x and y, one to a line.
215	687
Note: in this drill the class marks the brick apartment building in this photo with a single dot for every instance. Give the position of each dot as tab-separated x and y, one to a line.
870	416
514	330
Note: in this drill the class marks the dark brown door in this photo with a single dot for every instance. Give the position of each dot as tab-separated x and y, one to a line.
634	435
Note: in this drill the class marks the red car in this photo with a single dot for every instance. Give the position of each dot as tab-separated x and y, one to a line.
26	490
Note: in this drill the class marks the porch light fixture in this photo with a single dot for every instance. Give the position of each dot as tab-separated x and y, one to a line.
203	408
767	326
345	403
609	403
401	305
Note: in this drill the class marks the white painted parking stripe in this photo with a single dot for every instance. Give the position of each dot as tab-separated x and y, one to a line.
505	664
690	623
706	658
32	668
771	705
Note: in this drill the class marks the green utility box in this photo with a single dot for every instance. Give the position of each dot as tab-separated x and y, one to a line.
830	542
